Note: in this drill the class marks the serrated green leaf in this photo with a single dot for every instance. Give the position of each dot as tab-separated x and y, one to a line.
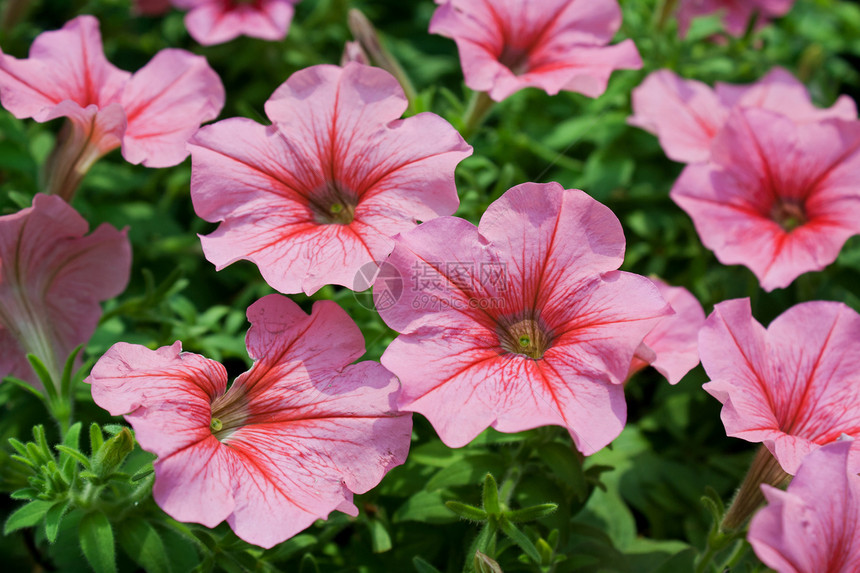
53	518
144	545
27	515
96	537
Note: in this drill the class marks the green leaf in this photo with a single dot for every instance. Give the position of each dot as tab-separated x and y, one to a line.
54	517
380	540
423	566
520	539
25	493
491	496
24	385
143	544
531	513
27	515
468	471
97	438
308	564
68	370
67	458
467	511
424	506
96	537
565	464
43	374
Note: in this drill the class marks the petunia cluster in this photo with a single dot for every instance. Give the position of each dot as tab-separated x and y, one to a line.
771	180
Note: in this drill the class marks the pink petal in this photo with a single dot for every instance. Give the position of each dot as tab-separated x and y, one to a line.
66	64
150	7
52	279
302	430
507	46
672	345
813	526
214	21
333	127
684	114
534	258
779	91
166	101
781	386
759	159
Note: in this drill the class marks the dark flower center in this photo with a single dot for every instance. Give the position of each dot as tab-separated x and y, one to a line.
229	413
333	204
527	336
788	214
515	59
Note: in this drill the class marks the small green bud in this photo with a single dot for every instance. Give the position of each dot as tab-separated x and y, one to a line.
112	453
486	564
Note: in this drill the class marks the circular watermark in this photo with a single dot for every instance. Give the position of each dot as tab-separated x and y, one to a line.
387	283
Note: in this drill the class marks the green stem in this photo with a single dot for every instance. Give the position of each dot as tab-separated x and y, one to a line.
479	107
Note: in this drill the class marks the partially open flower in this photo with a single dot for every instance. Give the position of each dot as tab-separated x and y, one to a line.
52	278
814	527
288	442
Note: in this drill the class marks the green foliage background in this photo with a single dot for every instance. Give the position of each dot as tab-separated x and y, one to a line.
636	506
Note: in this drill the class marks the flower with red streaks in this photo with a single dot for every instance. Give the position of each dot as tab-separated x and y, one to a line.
52	279
793	386
508	45
150	114
218	21
736	14
779	197
672	345
521	322
287	443
814	527
319	194
686	115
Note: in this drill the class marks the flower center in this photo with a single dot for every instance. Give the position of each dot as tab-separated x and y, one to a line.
333	204
229	413
515	59
788	214
527	336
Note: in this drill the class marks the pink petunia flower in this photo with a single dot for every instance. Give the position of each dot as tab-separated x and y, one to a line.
150	114
52	279
814	527
672	345
507	45
521	322
287	443
217	21
686	115
319	194
779	197
793	386
736	14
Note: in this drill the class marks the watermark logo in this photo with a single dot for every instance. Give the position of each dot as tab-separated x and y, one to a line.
386	281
